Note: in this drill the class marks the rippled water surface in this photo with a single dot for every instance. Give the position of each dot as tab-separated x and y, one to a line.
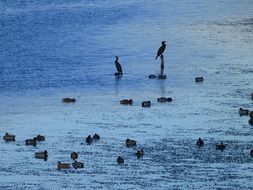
55	49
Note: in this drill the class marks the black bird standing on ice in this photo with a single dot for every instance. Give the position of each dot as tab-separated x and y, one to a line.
118	66
161	49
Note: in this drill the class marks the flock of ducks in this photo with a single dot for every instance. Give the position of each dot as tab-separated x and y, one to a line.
74	155
242	112
145	104
129	143
201	143
44	154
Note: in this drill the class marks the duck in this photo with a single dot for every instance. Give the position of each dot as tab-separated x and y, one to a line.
126	102
199	79
200	142
32	142
69	100
89	140
96	137
220	146
41	155
62	165
73	155
77	164
163	99
152	76
146	104
9	137
139	153
40	138
130	143
243	111
120	160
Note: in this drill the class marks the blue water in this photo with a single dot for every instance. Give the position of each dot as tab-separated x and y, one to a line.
62	44
53	49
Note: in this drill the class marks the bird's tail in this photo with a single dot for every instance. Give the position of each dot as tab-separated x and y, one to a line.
156	57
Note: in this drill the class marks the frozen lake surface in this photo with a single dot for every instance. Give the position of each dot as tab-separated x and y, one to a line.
60	49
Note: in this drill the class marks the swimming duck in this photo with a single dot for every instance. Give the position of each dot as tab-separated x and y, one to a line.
199	79
96	137
120	160
152	76
73	155
41	155
200	142
126	102
62	165
89	140
9	137
243	112
139	153
32	142
130	143
68	100
146	104
39	138
220	146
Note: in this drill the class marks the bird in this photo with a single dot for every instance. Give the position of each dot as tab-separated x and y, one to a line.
118	66
73	155
130	143
41	155
89	140
139	153
200	142
161	49
220	146
62	165
96	137
120	160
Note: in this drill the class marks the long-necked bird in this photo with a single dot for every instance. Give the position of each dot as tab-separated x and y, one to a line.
161	49
118	66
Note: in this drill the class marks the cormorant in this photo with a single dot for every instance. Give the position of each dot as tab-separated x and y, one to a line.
161	49
118	66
